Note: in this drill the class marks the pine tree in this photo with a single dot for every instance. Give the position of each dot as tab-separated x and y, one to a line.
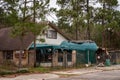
71	15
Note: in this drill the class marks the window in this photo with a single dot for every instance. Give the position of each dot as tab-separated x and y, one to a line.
52	34
8	55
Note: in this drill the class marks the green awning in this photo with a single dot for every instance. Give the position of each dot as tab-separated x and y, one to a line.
38	46
82	46
69	46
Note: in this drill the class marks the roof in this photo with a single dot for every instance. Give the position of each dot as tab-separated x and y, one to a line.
67	45
58	30
38	46
9	43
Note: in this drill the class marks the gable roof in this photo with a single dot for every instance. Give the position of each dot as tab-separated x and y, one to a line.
9	43
58	30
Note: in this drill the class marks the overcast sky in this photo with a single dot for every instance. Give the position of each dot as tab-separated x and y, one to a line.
53	3
52	16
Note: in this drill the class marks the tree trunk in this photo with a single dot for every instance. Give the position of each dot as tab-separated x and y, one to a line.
88	21
34	15
103	36
34	51
20	54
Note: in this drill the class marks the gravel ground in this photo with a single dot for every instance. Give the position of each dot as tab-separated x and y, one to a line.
32	77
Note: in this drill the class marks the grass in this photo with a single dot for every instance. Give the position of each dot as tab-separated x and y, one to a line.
39	70
7	72
46	69
49	69
11	69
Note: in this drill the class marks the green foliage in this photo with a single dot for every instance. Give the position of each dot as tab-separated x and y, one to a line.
41	8
8	19
97	34
106	18
113	2
15	10
36	28
9	13
71	15
109	2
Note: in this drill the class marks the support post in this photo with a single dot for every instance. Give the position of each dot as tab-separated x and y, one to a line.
88	57
65	63
73	58
55	59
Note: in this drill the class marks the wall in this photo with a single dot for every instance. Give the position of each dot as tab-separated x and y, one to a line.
1	57
24	59
31	58
57	41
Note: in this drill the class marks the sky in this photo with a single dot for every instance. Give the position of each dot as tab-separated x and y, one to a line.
119	5
52	16
53	3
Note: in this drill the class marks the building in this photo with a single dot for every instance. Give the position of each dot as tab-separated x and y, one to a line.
56	49
10	47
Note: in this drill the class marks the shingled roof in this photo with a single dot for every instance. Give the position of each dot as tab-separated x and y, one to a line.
9	43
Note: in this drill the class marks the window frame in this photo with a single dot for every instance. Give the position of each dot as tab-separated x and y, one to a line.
51	34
